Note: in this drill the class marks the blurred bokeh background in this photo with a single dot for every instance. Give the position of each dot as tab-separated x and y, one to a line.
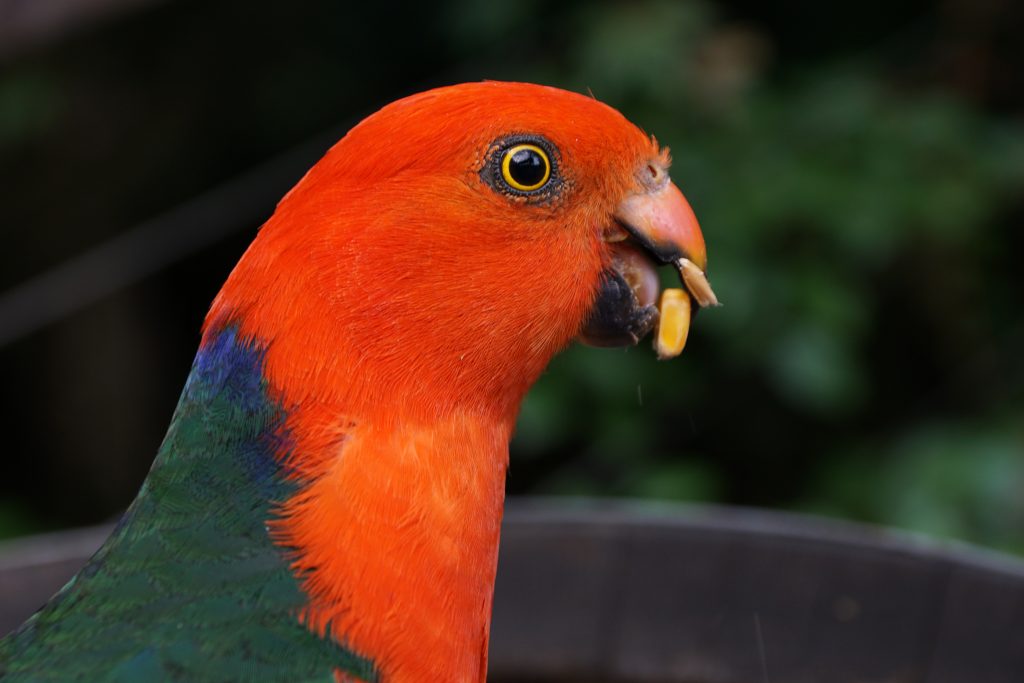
858	168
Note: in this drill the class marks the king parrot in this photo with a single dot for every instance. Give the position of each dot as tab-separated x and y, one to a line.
326	503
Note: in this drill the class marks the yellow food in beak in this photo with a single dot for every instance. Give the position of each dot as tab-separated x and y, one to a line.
673	323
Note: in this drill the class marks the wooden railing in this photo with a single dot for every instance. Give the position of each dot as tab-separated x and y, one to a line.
623	591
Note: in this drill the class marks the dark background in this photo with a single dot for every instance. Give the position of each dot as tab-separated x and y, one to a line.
858	169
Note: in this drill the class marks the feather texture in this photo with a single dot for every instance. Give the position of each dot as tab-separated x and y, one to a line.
189	587
328	499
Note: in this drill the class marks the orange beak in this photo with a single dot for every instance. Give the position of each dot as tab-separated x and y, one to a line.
626	308
664	224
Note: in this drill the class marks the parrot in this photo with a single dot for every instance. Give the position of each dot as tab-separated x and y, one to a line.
327	501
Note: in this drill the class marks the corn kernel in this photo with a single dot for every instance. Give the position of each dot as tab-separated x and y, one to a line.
674	323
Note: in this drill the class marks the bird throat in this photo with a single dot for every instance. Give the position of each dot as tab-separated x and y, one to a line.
396	542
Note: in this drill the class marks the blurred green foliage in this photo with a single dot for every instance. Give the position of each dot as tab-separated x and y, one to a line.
953	479
861	221
850	221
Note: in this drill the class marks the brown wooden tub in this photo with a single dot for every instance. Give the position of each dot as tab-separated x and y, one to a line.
624	591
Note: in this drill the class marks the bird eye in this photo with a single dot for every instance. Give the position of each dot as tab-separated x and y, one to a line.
525	167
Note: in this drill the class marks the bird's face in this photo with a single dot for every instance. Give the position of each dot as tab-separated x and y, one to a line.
484	226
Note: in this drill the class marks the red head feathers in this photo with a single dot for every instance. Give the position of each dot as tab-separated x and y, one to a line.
408	291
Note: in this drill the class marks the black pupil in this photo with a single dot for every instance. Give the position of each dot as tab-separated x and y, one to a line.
527	167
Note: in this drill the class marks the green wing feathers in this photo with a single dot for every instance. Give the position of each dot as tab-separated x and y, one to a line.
190	587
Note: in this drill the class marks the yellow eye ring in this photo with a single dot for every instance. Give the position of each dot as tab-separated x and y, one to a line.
525	167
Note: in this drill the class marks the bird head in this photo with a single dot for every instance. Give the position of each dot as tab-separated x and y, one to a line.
455	240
